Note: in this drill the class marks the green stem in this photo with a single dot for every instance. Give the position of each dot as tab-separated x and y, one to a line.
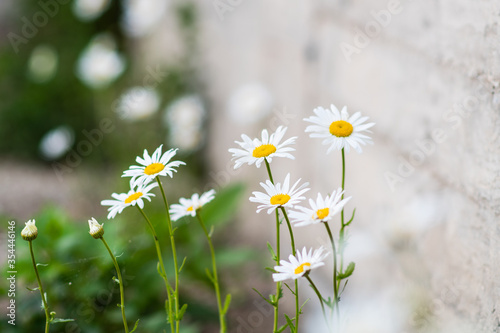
335	286
292	240
45	306
162	269
118	272
222	318
269	171
342	224
278	284
174	255
320	299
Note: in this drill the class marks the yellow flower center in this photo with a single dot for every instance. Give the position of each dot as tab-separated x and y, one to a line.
341	128
263	151
133	197
153	168
280	199
321	213
190	209
301	268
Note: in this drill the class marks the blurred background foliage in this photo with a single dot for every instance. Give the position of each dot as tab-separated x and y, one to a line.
78	276
75	71
83	67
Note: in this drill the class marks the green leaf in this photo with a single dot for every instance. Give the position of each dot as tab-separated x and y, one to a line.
270	269
282	328
273	254
293	292
352	217
181	312
60	320
224	206
35	289
290	323
348	271
211	232
270	301
135	326
207	271
226	303
182	265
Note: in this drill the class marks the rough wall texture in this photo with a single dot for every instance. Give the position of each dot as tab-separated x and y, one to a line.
427	234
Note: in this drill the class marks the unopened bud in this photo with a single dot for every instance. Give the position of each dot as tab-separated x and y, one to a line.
96	229
30	231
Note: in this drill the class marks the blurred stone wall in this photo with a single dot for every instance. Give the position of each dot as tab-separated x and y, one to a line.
426	238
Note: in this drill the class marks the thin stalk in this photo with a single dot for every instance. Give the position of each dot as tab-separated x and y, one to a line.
45	305
278	284
174	255
320	299
269	171
342	224
335	286
292	240
119	274
162	268
215	281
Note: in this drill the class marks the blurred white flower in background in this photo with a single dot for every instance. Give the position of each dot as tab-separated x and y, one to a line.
141	16
138	103
87	10
100	64
184	119
42	65
250	103
57	142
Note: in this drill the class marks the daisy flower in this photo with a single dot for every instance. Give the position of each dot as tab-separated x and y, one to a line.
279	195
339	130
322	210
299	265
131	198
152	166
187	207
255	151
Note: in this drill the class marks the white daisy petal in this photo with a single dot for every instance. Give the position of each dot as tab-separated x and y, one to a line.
321	210
152	166
133	197
340	130
277	196
256	151
189	207
300	264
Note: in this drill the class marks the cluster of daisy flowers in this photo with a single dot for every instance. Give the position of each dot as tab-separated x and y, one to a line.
340	132
144	178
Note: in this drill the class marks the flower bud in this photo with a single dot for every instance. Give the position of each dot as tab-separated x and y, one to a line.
96	229
30	231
